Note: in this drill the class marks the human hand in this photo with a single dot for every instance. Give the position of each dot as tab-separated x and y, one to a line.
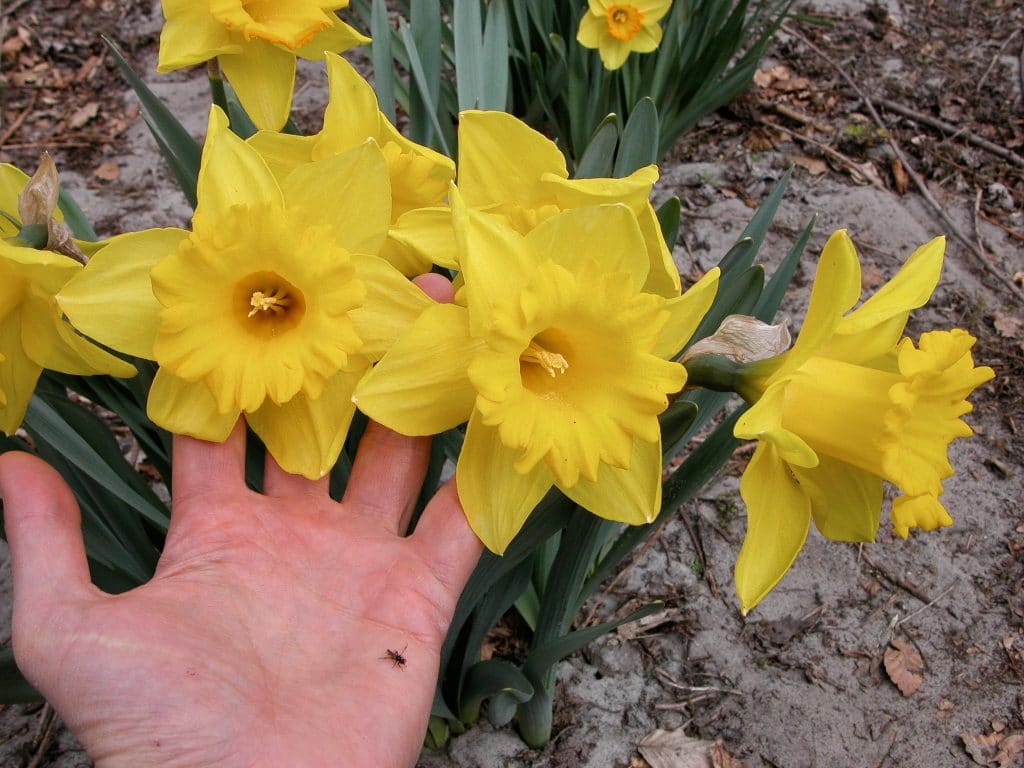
263	637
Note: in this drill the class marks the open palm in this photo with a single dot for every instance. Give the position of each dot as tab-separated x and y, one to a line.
263	638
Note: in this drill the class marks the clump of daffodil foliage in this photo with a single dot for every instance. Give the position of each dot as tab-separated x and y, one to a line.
559	380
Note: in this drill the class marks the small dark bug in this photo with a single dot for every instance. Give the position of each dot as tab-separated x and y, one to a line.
397	658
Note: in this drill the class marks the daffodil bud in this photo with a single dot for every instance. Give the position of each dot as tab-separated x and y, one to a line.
36	205
725	360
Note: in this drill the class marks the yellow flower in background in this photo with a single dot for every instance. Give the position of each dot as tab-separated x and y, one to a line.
559	362
273	305
33	332
618	28
256	42
518	175
849	406
419	176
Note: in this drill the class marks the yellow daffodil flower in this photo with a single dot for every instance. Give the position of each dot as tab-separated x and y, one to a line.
851	405
419	175
256	42
273	305
33	333
516	174
618	28
559	362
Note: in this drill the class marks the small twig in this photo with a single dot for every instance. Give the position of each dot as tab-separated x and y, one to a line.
47	726
992	64
672	682
837	156
928	605
13	7
942	125
915	177
1006	229
974	221
698	546
16	122
896	580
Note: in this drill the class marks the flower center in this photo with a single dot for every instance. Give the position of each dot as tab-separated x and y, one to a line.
552	362
624	21
271	304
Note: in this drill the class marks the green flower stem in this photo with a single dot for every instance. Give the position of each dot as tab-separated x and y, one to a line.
217	92
713	372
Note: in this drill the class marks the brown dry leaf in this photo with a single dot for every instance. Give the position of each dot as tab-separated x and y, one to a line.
674	749
1008	326
866	173
1009	749
83	115
871	276
981	748
814	165
87	68
109	171
994	749
722	759
899	176
904	666
1018	279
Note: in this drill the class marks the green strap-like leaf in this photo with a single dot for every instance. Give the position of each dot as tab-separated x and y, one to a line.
639	145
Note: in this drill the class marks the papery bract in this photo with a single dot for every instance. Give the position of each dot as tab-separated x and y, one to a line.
419	175
558	361
851	405
617	28
256	42
273	305
33	333
514	173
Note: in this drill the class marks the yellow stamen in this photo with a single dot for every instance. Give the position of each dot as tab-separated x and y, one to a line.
261	302
552	362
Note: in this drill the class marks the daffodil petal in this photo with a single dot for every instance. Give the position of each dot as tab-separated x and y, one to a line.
835	290
12	181
231	173
496	498
423	236
613	53
339	37
763	421
263	77
875	327
778	518
592	28
282	152
53	344
111	300
501	159
18	374
609	233
391	306
358	177
685	314
663	274
187	408
495	260
846	502
631	495
421	386
190	35
352	114
305	436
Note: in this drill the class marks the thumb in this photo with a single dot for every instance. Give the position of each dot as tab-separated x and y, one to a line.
43	525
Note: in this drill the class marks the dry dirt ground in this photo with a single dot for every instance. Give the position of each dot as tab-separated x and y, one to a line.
809	678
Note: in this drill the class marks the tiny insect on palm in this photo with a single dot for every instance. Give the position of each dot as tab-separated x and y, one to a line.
397	658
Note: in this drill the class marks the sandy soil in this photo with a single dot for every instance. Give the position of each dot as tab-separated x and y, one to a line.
800	682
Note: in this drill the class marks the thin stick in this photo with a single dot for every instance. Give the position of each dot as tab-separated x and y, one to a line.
992	64
928	605
942	125
837	156
918	181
